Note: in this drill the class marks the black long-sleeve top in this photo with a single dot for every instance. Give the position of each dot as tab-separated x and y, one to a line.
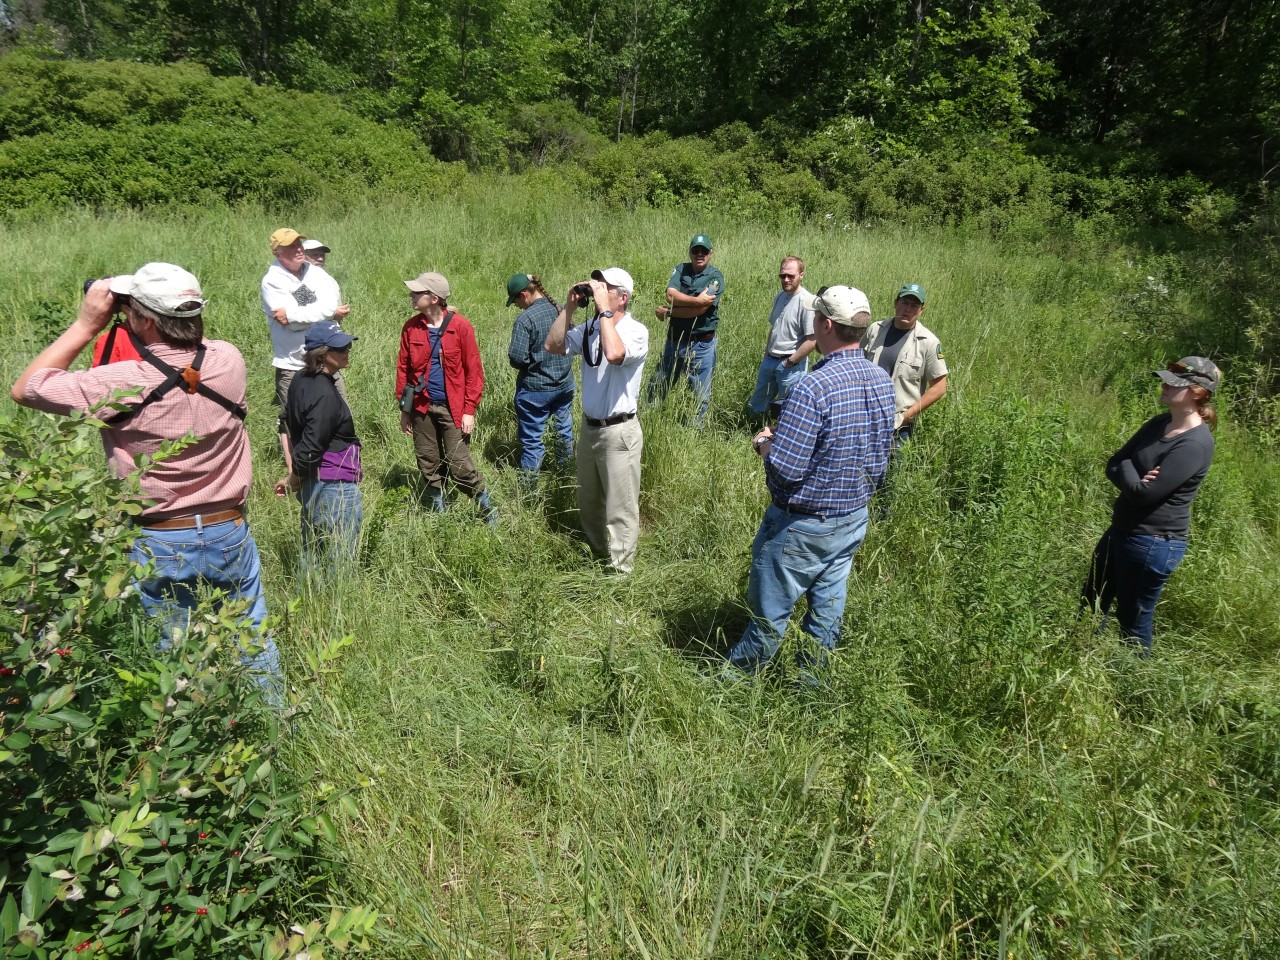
318	420
1161	508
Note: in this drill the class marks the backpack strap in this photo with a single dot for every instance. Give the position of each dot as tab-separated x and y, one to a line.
189	376
436	350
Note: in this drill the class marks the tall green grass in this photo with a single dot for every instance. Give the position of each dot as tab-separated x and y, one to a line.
554	776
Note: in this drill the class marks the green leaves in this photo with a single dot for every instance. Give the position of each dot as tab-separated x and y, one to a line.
148	811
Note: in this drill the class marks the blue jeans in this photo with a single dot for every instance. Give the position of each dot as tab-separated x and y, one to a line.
692	360
794	556
223	556
1130	570
533	409
774	382
332	512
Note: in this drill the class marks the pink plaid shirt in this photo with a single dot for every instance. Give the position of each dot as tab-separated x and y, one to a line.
210	475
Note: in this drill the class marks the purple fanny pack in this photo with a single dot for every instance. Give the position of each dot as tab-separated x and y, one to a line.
343	465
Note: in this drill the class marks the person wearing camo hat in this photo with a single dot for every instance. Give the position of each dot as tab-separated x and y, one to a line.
1158	473
295	295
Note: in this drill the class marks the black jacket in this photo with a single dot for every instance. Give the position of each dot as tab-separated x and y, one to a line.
318	419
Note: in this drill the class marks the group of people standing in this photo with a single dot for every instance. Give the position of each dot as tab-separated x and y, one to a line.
828	437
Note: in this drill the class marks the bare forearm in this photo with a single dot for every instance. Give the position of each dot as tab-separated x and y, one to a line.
937	390
615	351
803	350
94	315
555	336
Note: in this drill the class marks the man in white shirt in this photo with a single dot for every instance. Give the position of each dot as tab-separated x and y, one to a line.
315	251
791	340
295	295
613	346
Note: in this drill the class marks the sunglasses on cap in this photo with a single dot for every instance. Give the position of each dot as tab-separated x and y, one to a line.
1182	370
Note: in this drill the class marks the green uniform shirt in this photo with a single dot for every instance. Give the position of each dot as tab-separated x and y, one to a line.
685	281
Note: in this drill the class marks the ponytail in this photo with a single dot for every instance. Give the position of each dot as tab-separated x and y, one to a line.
536	282
1204	406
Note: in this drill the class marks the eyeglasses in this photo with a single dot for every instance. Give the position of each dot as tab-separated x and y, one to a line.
787	276
341	349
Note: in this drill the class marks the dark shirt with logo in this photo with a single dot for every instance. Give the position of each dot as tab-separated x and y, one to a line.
686	281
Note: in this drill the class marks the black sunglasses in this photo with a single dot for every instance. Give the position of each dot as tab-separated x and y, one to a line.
1182	370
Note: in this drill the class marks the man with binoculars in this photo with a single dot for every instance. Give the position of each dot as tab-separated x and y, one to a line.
613	345
196	532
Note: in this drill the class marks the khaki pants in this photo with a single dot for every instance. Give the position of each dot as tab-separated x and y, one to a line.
609	490
441	447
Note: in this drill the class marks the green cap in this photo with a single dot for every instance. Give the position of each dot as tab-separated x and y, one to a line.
518	283
911	290
701	240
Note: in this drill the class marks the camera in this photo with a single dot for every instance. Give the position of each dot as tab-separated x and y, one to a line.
116	298
582	293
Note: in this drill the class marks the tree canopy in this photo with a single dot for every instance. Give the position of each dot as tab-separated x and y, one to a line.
1116	86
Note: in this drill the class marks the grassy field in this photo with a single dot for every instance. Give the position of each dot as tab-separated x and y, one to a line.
554	774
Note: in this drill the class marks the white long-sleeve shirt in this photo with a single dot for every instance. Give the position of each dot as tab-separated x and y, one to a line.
307	299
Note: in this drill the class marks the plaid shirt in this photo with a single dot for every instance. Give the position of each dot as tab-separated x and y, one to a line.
539	371
832	445
210	475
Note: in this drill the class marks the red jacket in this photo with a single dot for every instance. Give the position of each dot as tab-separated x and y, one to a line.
463	374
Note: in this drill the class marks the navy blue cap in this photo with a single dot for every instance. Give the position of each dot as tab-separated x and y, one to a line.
327	334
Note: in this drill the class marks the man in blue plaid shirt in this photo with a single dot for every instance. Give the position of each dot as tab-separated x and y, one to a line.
829	454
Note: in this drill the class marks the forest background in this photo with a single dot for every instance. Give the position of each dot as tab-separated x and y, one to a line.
499	751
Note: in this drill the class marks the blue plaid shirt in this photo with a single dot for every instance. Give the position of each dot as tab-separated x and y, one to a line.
832	445
538	370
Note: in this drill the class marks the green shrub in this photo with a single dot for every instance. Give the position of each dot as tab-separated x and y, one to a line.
113	135
147	811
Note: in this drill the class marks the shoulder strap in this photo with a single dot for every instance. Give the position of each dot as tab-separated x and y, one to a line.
108	349
189	375
436	348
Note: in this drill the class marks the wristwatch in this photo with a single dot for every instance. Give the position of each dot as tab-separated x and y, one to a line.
605	313
759	442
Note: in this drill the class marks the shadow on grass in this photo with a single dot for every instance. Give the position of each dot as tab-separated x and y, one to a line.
703	632
501	449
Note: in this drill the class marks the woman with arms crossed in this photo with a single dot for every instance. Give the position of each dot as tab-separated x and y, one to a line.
1158	473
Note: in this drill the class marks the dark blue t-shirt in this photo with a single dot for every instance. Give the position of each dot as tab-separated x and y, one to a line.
435	374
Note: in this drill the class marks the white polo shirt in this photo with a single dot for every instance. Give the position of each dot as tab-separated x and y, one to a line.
608	389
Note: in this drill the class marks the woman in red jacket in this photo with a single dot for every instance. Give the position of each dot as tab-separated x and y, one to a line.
439	381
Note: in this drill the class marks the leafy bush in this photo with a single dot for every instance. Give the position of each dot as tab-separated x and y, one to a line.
146	810
127	135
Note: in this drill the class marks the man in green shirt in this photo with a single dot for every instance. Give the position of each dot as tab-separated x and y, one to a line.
692	313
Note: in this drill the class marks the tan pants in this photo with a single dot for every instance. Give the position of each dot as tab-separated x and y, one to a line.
441	447
609	490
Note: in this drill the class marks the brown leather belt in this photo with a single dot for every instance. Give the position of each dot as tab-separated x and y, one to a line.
610	421
195	520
